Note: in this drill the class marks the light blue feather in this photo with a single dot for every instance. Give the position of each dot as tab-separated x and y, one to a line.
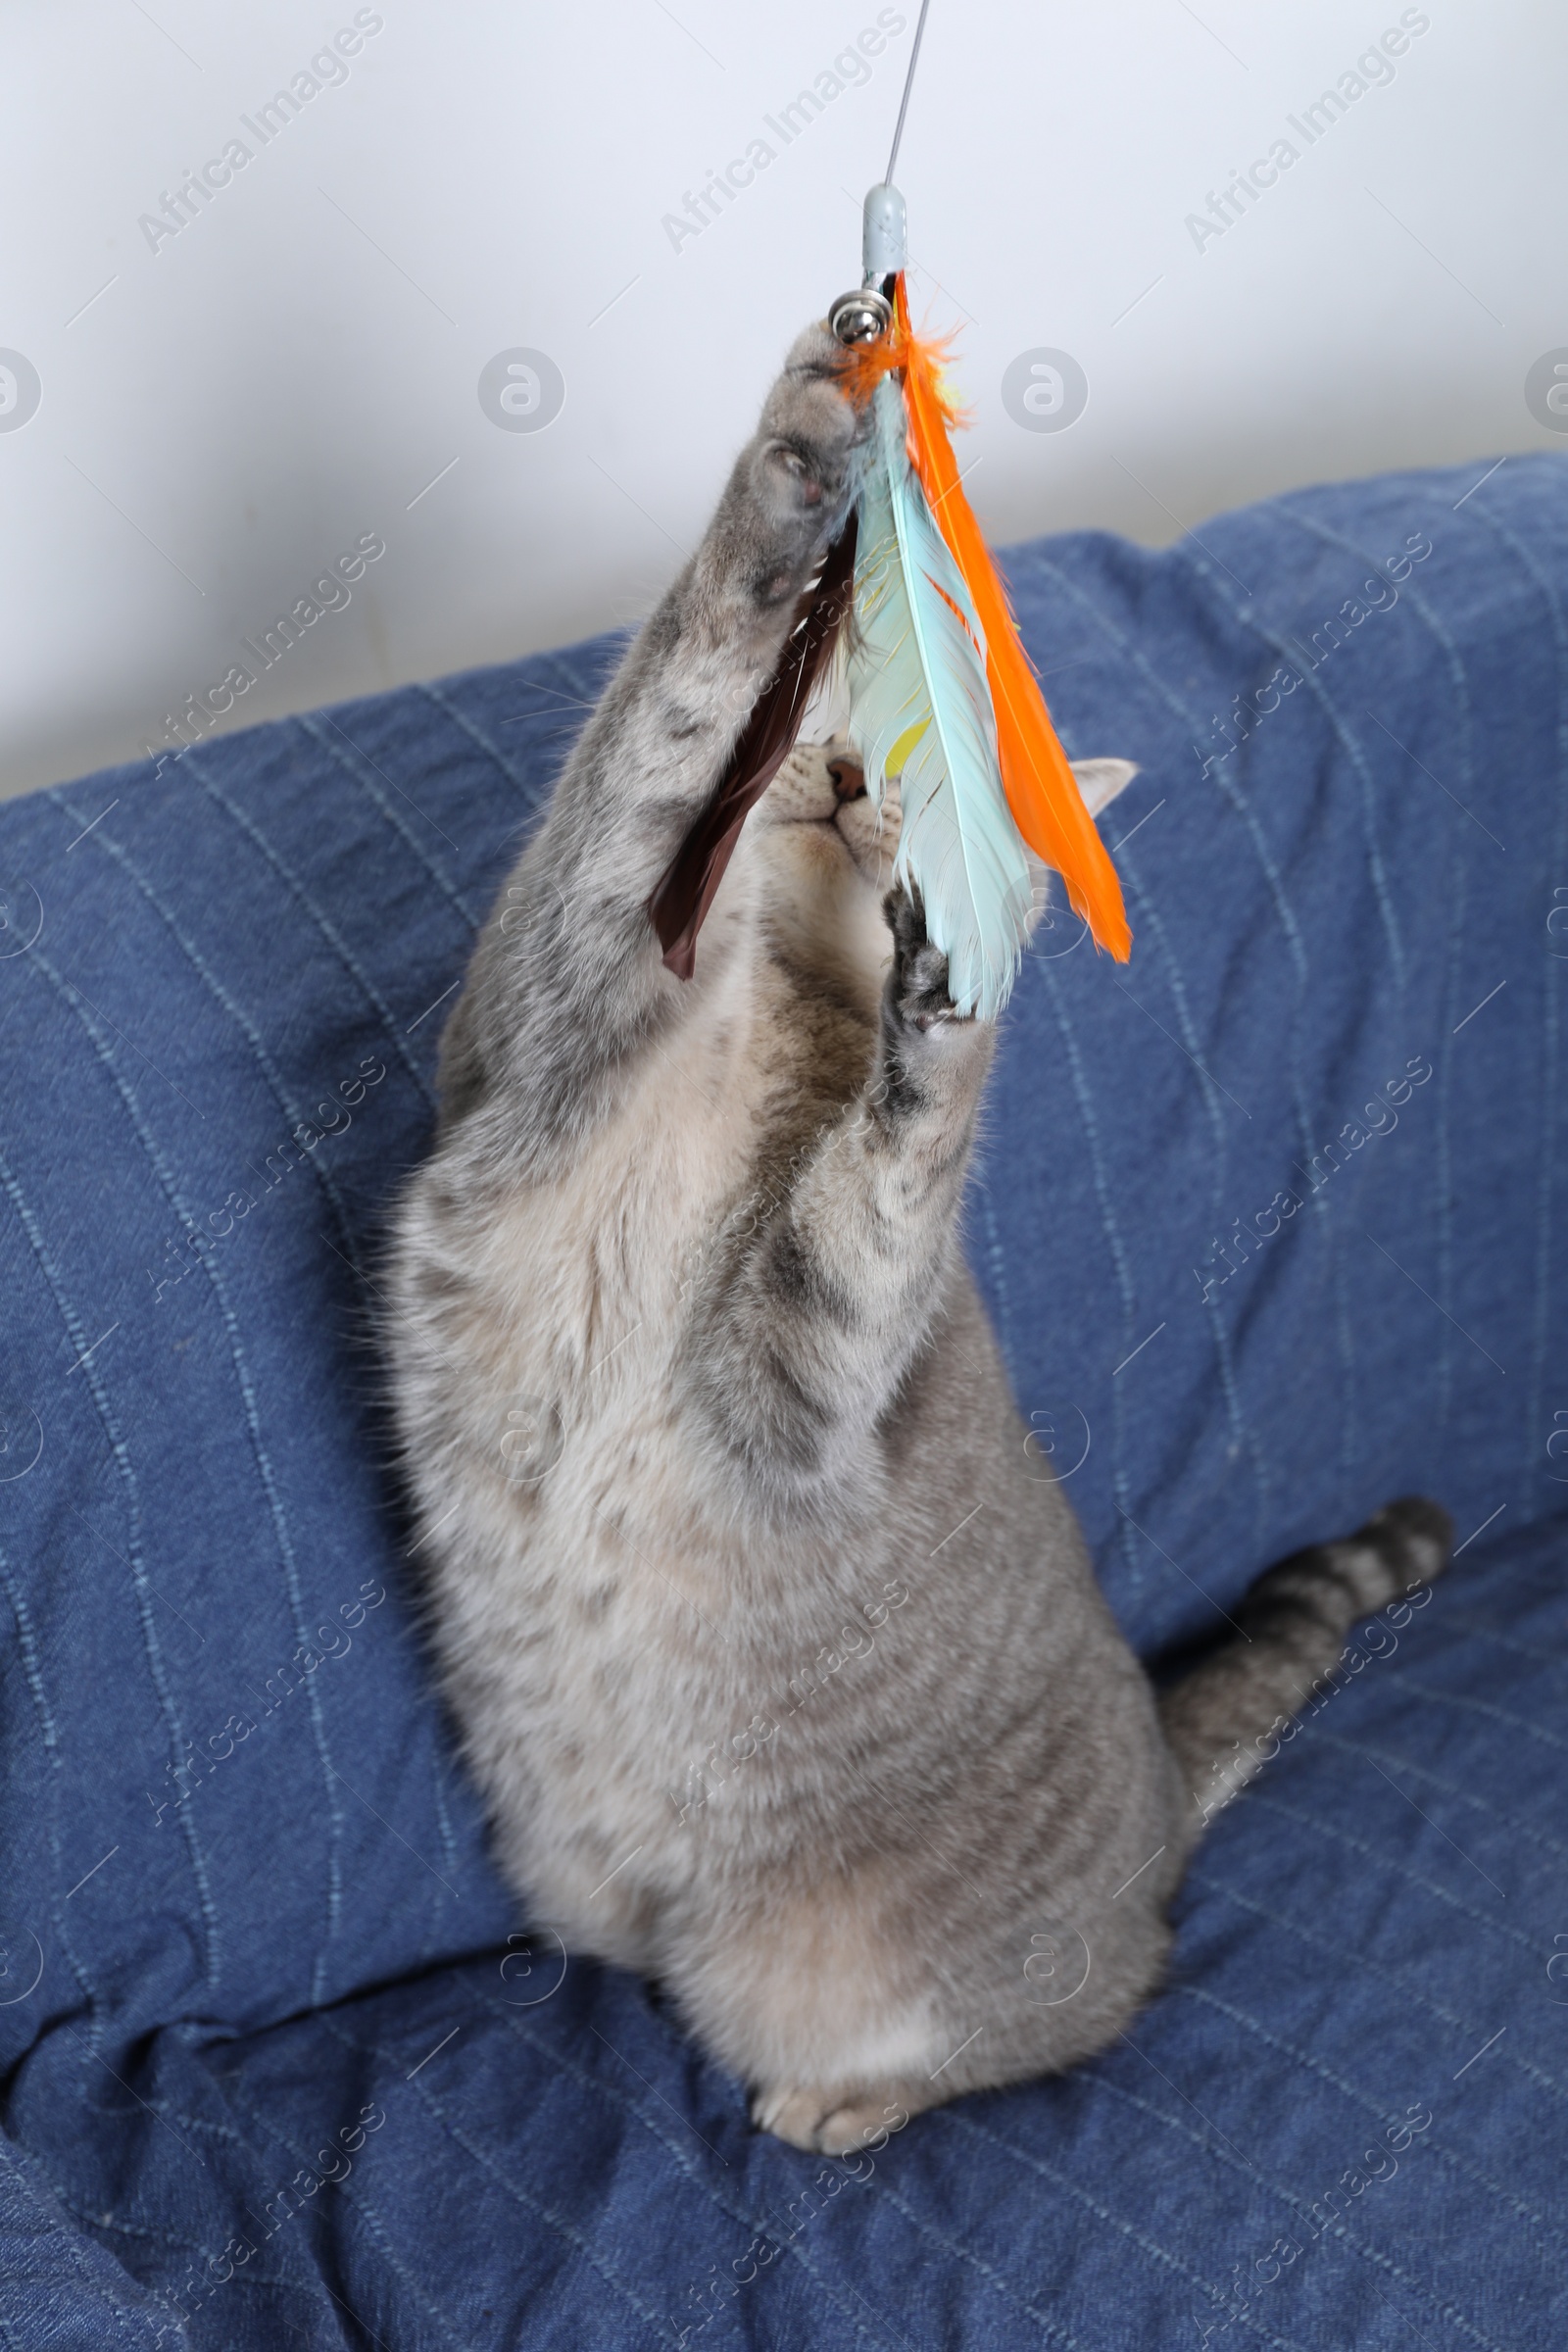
915	662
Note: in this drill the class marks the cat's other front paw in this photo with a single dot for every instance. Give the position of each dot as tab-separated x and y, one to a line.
917	984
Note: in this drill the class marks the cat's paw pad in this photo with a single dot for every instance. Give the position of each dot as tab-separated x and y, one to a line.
810	428
917	985
795	482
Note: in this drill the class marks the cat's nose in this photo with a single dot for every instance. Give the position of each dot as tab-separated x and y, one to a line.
849	779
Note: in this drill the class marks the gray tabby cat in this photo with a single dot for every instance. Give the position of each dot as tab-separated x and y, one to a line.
787	1682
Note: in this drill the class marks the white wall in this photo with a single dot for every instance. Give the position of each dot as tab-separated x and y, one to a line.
296	365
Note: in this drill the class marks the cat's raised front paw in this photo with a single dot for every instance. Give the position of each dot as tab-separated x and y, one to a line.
811	430
917	985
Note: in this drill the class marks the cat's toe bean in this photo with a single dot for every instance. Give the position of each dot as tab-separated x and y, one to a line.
919	977
925	983
808	406
794	475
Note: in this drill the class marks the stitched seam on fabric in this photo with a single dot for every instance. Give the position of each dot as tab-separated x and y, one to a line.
1118	1254
323	923
32	1673
263	1463
399	823
1352	750
999	1279
118	1448
563	2229
1464	1797
92	2223
1348	2091
1476	1630
1551	1050
1344	1327
360	2203
1173	702
1240	1427
1481	1706
624	2103
1416	1878
18	2166
1148	2245
1050	2328
1400	1978
274	1076
1457	903
1299	2205
476	734
1442	1174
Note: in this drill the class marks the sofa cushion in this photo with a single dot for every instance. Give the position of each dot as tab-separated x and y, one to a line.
1271	1224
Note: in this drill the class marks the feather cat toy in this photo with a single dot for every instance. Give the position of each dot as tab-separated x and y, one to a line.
943	700
942	694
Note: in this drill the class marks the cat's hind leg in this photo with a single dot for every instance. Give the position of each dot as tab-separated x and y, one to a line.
815	1993
842	2123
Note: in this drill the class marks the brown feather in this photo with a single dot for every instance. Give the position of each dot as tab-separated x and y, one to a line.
687	887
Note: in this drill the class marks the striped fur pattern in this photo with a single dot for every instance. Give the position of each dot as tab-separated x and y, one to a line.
786	1680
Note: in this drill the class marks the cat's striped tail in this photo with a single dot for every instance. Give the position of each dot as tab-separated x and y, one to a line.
1227	1717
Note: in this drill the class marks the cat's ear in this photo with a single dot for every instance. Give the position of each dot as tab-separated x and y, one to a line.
1100	781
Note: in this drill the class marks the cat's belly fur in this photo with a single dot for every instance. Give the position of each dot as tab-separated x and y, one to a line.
606	1625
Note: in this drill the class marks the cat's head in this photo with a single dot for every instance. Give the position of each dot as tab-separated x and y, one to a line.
829	852
830	829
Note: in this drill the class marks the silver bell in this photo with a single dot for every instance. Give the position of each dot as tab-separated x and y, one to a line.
861	317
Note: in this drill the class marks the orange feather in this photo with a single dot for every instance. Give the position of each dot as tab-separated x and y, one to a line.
1042	790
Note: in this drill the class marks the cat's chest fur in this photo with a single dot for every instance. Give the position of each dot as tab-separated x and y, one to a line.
579	1293
611	1603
